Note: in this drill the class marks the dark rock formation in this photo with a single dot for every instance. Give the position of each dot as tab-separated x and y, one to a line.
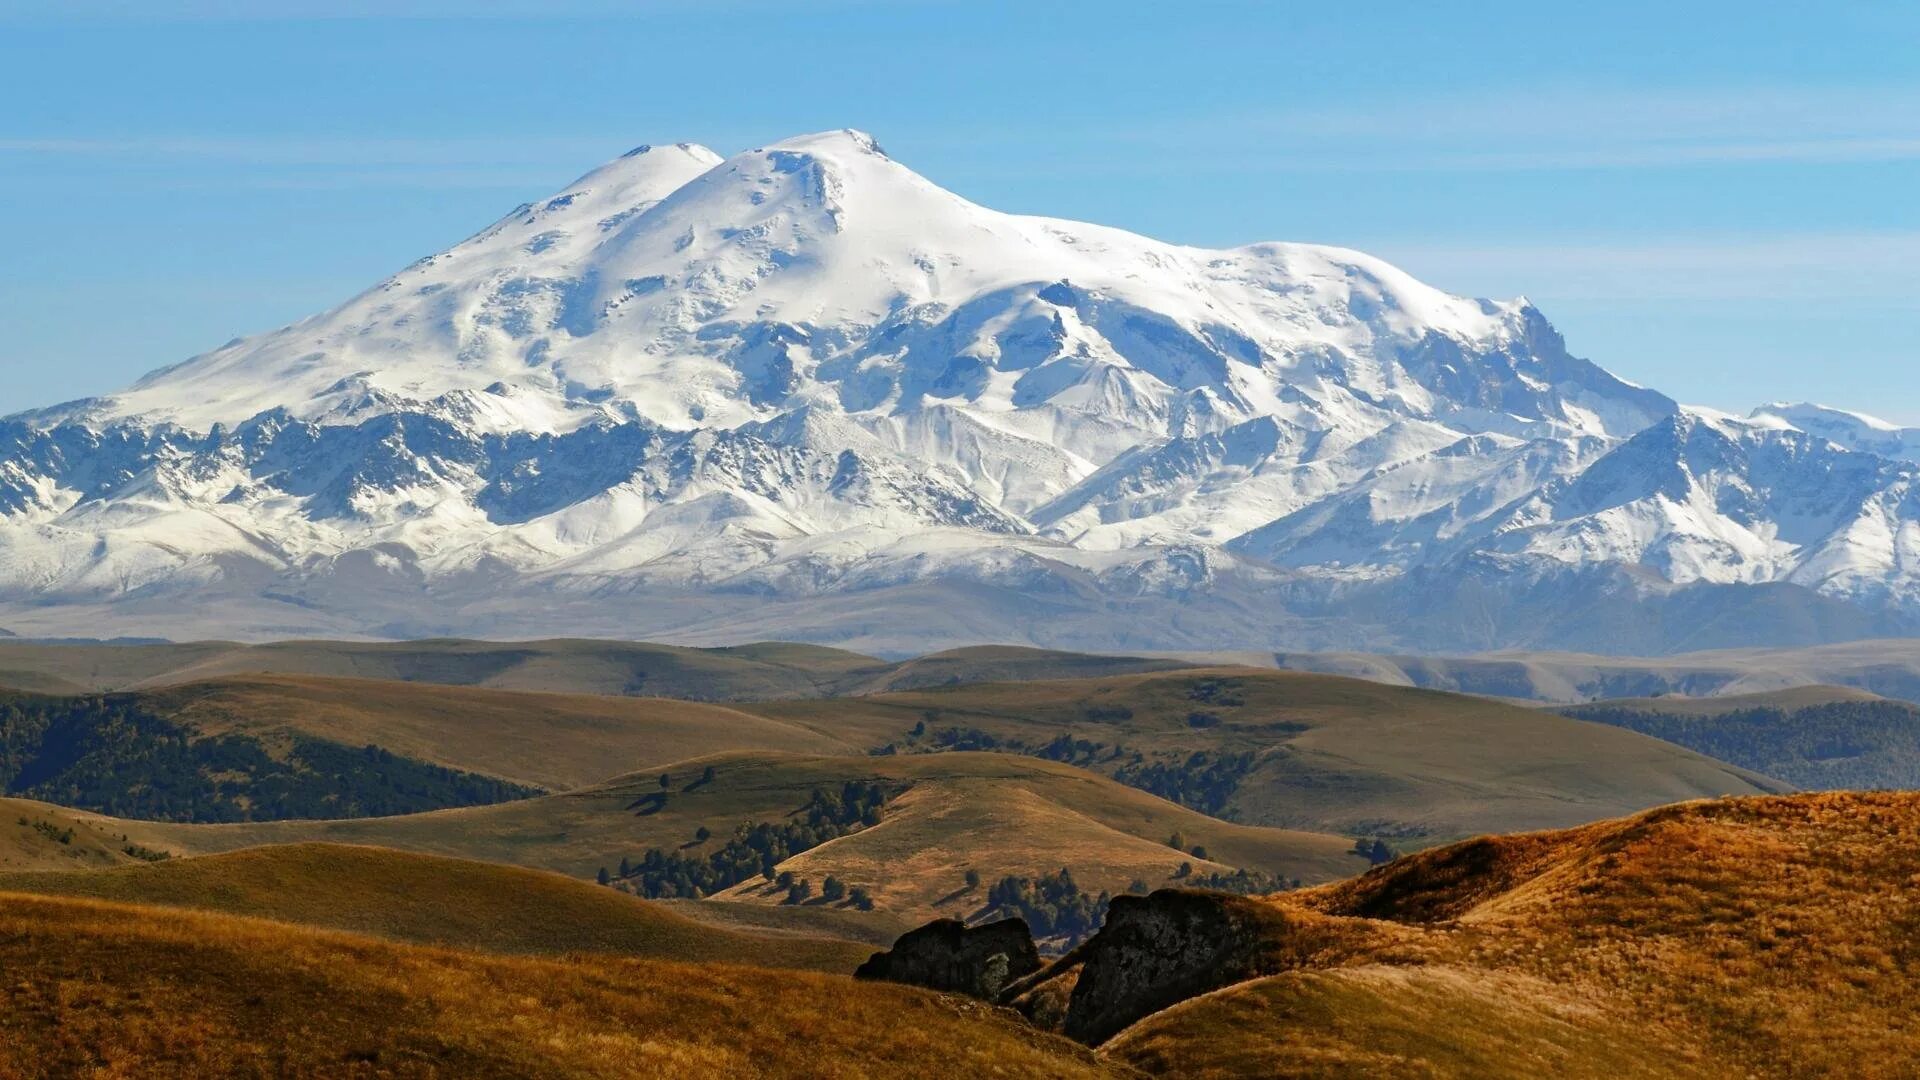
946	955
1158	950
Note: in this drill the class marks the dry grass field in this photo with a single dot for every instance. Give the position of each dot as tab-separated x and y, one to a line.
1768	937
436	901
997	813
1758	936
759	671
110	990
38	836
552	740
1332	754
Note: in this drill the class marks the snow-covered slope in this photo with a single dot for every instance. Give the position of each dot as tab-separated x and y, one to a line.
808	375
1851	430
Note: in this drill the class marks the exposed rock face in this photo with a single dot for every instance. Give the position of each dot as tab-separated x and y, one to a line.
946	955
1158	950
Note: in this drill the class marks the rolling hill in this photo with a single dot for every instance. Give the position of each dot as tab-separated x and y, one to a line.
556	741
115	989
1755	936
1814	737
764	670
40	836
432	900
1889	667
1763	937
117	754
1109	834
1296	750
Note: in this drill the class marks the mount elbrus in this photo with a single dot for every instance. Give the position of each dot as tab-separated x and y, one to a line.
805	393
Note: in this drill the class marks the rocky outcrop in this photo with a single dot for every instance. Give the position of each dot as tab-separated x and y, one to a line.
948	955
1158	950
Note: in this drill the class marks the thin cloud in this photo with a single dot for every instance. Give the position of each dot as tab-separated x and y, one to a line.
277	150
1545	128
1876	268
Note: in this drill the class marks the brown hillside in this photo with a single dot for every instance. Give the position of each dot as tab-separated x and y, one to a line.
997	813
1789	699
759	671
1752	936
557	741
37	836
1329	754
116	990
434	901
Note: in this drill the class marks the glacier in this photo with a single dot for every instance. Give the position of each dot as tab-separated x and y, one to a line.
804	392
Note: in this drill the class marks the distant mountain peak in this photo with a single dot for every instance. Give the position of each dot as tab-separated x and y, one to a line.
804	370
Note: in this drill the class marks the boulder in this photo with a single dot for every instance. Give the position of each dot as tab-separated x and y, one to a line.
1158	950
946	954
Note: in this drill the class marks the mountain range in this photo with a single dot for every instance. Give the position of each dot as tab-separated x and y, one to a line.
803	392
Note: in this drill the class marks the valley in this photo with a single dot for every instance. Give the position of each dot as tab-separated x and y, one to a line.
1337	876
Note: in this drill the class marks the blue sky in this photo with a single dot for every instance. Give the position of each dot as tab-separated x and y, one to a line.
1709	198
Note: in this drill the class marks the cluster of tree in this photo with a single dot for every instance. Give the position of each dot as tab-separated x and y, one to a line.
1204	780
51	831
1841	744
1222	692
1053	905
1376	850
1063	747
1178	842
113	756
1243	882
754	849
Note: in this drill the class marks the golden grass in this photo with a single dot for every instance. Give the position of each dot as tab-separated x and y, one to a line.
757	671
31	838
914	868
105	990
1396	1022
1768	937
1335	754
1117	831
556	741
430	900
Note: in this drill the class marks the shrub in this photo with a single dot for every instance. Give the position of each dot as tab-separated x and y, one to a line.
1053	905
754	850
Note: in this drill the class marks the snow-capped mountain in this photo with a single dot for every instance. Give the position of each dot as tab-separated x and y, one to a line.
805	392
1851	430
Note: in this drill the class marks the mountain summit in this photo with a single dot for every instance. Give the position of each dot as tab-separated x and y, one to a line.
803	391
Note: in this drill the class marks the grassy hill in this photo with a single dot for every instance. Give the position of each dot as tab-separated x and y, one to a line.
1814	737
119	755
999	814
38	836
1000	663
552	740
760	671
97	988
1310	752
1315	752
1389	1021
1889	668
1743	937
436	901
